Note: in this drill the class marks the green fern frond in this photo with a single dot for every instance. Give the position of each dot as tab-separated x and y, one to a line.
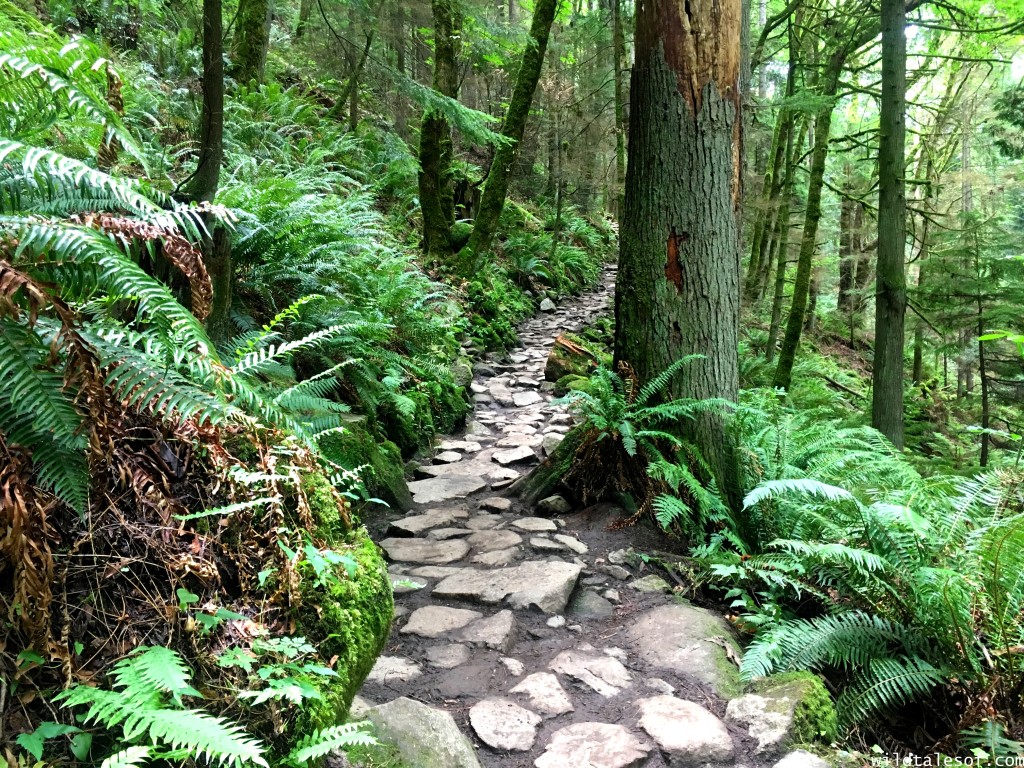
884	684
132	757
320	743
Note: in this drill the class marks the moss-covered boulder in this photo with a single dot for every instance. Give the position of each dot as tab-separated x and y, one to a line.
571	383
569	356
346	613
383	470
783	710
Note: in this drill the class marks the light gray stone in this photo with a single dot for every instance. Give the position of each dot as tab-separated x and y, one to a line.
490	540
496	504
413	525
686	733
528	397
547	305
768	715
434	571
425	551
605	675
483	522
393	669
514	666
612	596
504	473
571	542
425	737
447	656
544	544
621	556
497	558
466	446
436	489
555	622
503	724
660	686
496	632
534	524
550	441
593	745
554	505
447	457
615	571
514	455
518	440
546	586
651	583
682	638
437	620
546	695
590	605
801	758
441	534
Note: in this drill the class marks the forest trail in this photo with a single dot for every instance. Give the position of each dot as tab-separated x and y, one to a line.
539	632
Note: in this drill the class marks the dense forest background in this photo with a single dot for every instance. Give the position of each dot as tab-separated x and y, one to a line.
250	253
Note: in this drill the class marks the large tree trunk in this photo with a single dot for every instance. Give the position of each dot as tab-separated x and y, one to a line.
252	40
206	179
496	187
679	262
437	193
890	275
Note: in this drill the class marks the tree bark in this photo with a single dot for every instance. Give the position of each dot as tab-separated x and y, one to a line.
890	274
492	201
619	66
206	179
437	193
679	260
252	40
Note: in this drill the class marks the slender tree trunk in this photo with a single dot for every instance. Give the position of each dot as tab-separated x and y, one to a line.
812	215
847	267
305	9
437	194
890	275
252	40
619	58
206	179
780	281
496	187
398	15
679	262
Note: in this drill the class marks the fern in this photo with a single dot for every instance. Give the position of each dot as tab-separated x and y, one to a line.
132	757
320	743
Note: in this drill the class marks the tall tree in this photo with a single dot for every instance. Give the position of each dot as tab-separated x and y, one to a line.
496	186
679	260
890	274
252	40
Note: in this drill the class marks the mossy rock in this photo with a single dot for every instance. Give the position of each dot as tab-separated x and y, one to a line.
383	472
459	234
572	383
814	716
348	617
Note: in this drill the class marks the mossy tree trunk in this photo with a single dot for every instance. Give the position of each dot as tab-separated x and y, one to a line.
890	275
678	286
205	181
492	201
437	193
252	40
618	70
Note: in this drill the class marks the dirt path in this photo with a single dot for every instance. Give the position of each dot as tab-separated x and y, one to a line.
538	630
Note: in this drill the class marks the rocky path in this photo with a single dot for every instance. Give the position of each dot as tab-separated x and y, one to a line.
530	637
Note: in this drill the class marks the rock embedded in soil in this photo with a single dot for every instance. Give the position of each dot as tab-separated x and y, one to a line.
441	534
496	632
554	505
413	525
547	305
447	457
496	504
572	543
447	656
550	441
393	669
590	605
514	666
483	522
514	455
687	734
594	745
534	524
545	694
651	583
490	540
801	758
425	551
605	675
437	620
438	489
544	585
503	724
528	397
425	737
497	558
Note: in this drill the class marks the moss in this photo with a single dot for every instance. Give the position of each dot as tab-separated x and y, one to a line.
814	717
348	619
572	383
323	503
383	471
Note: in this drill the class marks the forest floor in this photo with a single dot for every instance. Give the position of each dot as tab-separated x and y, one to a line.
539	631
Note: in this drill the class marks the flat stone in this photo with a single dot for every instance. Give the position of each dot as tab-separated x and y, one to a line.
413	525
447	656
441	534
556	622
571	542
544	544
621	556
483	522
393	669
545	693
466	446
687	734
425	551
534	524
424	736
615	571
590	605
476	429
612	596
603	674
403	585
436	489
447	457
497	558
437	620
514	666
516	440
503	724
496	632
684	639
547	305
651	583
535	583
514	455
660	686
550	442
769	714
593	745
496	504
504	473
801	758
554	505
529	397
434	571
489	540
